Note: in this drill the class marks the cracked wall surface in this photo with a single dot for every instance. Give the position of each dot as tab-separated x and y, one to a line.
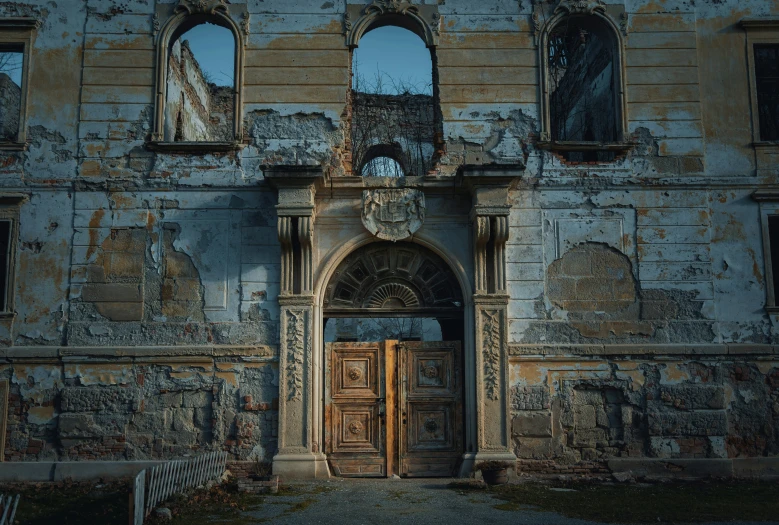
146	312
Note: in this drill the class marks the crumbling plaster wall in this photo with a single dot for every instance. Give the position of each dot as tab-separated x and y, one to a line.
87	382
574	417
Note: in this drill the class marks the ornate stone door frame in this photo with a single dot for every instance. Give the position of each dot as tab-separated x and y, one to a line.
328	267
485	342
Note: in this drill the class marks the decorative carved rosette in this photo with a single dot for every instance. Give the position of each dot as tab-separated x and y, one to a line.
393	214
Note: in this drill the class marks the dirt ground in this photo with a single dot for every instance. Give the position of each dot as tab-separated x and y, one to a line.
364	501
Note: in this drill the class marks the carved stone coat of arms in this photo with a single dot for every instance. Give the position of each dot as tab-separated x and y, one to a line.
393	214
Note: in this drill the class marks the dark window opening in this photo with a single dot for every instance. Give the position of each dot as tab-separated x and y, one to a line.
5	262
394	104
767	83
11	64
583	83
366	329
200	90
773	239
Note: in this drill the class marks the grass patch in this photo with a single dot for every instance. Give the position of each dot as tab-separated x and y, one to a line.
300	505
221	504
71	502
661	503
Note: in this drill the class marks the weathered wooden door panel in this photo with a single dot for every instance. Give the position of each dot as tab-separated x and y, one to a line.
394	408
430	408
354	433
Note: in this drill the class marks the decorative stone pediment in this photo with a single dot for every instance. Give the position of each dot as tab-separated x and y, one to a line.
381	7
422	19
581	7
208	7
393	214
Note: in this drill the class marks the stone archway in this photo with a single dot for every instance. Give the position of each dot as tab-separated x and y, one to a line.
374	423
309	261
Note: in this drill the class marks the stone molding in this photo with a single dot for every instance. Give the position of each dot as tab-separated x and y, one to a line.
518	351
3	416
296	213
422	19
137	353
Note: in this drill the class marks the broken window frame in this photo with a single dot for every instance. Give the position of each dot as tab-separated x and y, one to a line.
607	16
180	19
769	207
422	20
20	32
759	31
10	207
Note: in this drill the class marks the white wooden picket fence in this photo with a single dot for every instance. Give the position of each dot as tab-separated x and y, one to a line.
155	485
8	508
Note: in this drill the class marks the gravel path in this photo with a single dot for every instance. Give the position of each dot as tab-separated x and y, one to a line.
342	501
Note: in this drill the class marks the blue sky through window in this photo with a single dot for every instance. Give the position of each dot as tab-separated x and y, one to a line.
395	56
214	49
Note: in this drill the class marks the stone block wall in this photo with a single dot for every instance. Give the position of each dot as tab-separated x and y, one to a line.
589	411
123	410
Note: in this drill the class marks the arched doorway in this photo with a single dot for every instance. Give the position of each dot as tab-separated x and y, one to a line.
393	401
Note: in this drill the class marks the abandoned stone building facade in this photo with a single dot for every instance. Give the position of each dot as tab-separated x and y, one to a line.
592	232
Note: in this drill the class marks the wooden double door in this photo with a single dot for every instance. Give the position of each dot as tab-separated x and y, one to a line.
394	408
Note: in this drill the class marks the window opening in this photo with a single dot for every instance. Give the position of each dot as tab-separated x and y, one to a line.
372	329
5	262
200	91
382	167
767	82
773	236
393	102
11	64
583	83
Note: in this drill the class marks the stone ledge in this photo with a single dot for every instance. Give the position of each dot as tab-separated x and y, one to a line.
767	468
522	350
76	470
139	353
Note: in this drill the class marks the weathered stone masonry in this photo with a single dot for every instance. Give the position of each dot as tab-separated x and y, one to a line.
167	302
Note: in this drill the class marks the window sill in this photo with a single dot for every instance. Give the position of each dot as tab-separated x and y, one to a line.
767	195
13	146
766	145
195	147
7	315
772	309
553	145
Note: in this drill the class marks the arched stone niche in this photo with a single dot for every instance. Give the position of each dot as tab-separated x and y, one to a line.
423	20
170	21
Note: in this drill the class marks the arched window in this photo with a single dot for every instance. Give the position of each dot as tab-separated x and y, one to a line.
583	113
383	160
394	99
199	78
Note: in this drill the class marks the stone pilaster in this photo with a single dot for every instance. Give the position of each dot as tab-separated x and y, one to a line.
299	454
489	187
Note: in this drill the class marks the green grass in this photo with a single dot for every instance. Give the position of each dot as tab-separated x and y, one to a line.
661	503
71	502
